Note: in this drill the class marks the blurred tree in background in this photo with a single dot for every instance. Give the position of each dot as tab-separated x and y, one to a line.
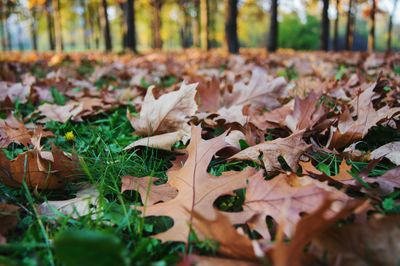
140	25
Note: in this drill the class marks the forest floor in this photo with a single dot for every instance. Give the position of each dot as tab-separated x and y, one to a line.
199	158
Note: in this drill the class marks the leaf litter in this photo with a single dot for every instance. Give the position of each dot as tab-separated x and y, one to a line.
277	158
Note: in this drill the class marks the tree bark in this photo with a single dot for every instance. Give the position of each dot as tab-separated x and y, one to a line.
390	28
123	24
50	25
371	35
157	41
185	28
273	30
204	21
4	44
34	29
336	28
105	25
349	27
58	26
131	26
86	39
325	26
196	24
231	13
20	37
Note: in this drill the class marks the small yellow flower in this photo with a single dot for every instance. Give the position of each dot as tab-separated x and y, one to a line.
69	136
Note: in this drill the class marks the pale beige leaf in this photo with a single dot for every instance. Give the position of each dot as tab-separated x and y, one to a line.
261	91
163	141
169	113
390	151
76	207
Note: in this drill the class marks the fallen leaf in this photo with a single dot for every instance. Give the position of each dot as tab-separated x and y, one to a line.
306	113
39	169
167	114
290	148
149	192
83	204
283	202
197	189
309	227
163	141
372	243
54	112
261	91
390	151
387	182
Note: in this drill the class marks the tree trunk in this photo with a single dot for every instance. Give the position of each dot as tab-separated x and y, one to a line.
231	12
123	24
100	27
9	37
212	22
204	21
349	27
390	28
371	35
20	37
325	26
50	25
196	24
4	44
86	39
157	41
131	26
105	25
185	28
34	30
58	26
273	30
336	28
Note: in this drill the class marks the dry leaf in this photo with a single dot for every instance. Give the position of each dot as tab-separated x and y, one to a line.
309	227
169	113
282	201
261	91
197	189
306	113
390	151
163	141
231	243
372	243
149	192
83	204
290	148
54	112
387	182
39	169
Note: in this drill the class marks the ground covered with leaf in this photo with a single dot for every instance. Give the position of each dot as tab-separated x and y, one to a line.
200	158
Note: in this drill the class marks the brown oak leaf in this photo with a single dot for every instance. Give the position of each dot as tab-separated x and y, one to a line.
41	169
282	201
290	148
306	113
149	192
232	243
197	189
